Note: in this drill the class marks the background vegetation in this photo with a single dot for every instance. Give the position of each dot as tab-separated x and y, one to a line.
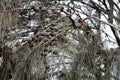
59	40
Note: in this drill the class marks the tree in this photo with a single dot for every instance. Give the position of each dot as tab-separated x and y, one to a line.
39	43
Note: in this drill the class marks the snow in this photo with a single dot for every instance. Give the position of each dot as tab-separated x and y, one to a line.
54	78
17	31
102	66
33	23
1	61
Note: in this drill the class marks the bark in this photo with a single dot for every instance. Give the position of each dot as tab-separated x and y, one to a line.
110	20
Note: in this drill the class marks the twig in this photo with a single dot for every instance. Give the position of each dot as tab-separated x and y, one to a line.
112	25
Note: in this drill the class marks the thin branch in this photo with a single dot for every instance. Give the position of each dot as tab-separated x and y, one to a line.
112	25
